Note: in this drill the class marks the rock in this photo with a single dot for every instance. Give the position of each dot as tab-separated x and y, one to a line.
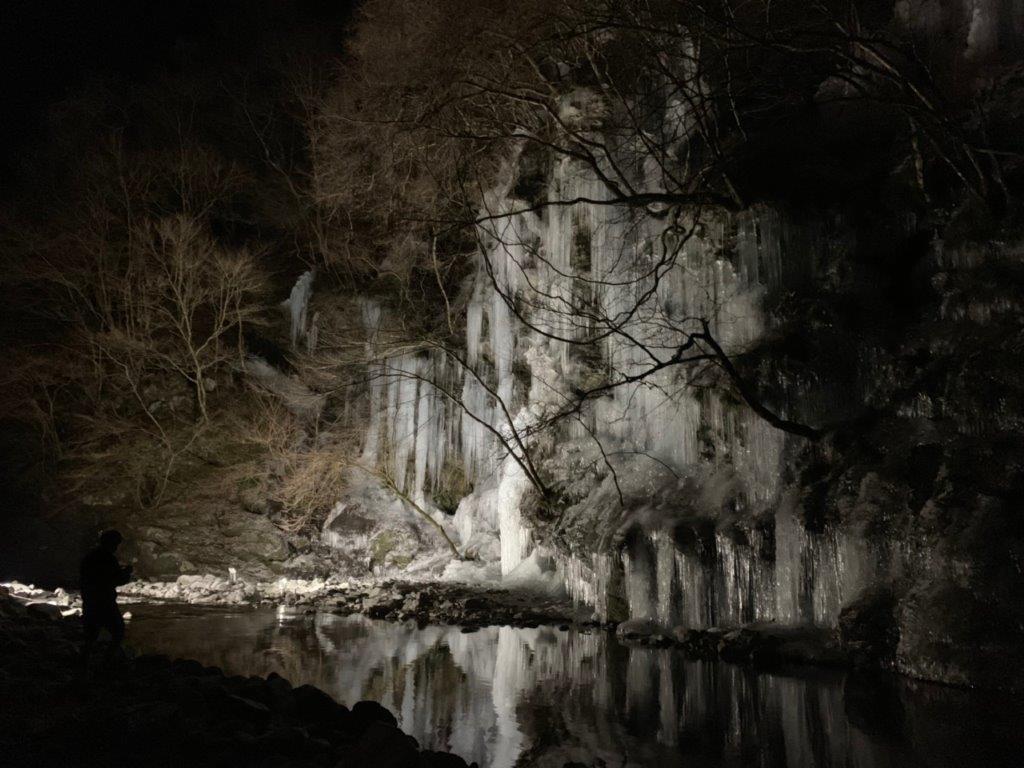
248	710
314	706
152	660
950	634
699	643
738	645
188	667
280	693
283	739
868	628
384	746
44	611
441	760
636	628
372	712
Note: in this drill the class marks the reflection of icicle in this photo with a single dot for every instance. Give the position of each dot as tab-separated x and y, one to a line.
505	696
640	684
668	732
509	667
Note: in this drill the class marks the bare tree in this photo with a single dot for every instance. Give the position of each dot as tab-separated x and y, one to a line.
660	102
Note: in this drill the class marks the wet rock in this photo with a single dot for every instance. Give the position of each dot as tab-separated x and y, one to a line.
951	634
868	627
636	629
741	645
280	693
699	643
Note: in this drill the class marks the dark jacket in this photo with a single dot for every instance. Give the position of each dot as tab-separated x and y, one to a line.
100	576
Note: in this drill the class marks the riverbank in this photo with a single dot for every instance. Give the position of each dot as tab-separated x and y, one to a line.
857	643
863	639
153	711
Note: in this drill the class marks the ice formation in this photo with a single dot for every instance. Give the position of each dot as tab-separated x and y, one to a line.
538	271
298	307
692	528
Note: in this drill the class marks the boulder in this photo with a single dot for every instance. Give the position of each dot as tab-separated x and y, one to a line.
384	746
868	628
372	712
950	634
248	710
441	760
44	611
314	706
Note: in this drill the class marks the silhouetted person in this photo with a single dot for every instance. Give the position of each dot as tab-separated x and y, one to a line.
100	576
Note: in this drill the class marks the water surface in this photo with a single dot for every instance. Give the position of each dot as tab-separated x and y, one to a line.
543	697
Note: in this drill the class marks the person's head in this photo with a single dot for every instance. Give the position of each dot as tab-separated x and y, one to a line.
110	540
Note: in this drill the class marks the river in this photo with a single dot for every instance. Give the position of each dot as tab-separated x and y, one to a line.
547	696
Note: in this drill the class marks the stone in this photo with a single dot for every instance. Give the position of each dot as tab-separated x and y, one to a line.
441	760
313	705
284	739
868	628
384	746
44	611
249	710
280	693
188	667
372	712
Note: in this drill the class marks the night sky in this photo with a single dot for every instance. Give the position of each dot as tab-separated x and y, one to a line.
51	48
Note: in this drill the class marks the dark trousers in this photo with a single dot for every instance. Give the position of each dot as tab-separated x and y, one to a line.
108	617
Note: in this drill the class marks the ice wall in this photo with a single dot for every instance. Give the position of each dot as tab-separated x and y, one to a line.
574	296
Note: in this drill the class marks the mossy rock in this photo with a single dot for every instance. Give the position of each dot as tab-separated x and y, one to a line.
452	488
401	561
381	546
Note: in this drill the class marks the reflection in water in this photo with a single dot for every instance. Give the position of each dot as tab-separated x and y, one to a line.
542	697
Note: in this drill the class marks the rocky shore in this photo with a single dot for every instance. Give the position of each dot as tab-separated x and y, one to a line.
448	603
863	638
154	711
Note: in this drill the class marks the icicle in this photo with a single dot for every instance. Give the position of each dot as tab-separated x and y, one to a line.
298	305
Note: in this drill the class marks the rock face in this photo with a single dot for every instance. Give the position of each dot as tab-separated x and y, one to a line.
868	627
205	538
153	711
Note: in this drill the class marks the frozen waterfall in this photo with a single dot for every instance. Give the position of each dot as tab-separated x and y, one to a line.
550	281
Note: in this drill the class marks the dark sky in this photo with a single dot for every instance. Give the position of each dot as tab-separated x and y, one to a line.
48	48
